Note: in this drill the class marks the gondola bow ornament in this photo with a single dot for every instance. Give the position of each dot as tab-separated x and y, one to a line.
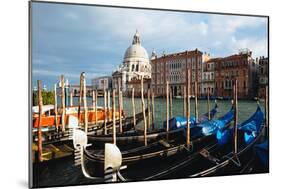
112	154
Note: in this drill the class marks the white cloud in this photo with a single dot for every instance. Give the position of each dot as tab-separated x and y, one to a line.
258	47
57	74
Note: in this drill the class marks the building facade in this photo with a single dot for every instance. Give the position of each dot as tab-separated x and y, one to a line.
136	64
208	77
173	68
102	83
263	75
75	90
239	66
136	84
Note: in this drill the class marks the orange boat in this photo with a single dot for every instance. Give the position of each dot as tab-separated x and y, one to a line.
48	117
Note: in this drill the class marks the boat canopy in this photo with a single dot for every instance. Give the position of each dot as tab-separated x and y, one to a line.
45	108
180	121
211	127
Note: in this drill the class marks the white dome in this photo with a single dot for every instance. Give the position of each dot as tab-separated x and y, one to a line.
136	51
135	63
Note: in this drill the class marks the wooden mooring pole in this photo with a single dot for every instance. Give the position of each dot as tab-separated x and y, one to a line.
235	117
93	100
108	106
71	99
85	105
266	112
148	107
143	110
171	104
153	112
208	101
184	101
167	109
113	117
188	109
96	107
80	97
120	111
104	110
56	108
120	106
133	105
196	101
63	104
40	104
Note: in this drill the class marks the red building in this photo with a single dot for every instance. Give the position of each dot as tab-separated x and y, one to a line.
263	75
238	66
173	68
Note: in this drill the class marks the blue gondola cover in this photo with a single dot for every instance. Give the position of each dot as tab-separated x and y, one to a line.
250	127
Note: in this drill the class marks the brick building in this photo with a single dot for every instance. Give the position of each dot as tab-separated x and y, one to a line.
173	68
263	75
239	66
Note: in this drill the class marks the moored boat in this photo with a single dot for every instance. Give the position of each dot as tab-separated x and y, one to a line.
176	125
160	149
48	118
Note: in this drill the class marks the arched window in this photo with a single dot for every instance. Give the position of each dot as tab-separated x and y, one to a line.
133	67
137	67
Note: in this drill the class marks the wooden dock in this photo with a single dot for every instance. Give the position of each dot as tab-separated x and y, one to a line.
52	151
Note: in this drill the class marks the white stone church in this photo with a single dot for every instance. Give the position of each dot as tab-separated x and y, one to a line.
135	64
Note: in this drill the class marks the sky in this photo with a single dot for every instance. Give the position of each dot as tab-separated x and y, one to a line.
70	39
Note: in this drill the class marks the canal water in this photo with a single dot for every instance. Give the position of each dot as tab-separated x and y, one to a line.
63	172
245	107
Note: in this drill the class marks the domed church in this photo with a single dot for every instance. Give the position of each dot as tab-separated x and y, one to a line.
135	64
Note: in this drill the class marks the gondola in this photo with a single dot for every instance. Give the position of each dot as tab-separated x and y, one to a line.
176	125
59	136
260	161
262	152
160	149
220	159
216	158
127	125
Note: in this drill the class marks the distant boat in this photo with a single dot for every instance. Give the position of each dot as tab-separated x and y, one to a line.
179	97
